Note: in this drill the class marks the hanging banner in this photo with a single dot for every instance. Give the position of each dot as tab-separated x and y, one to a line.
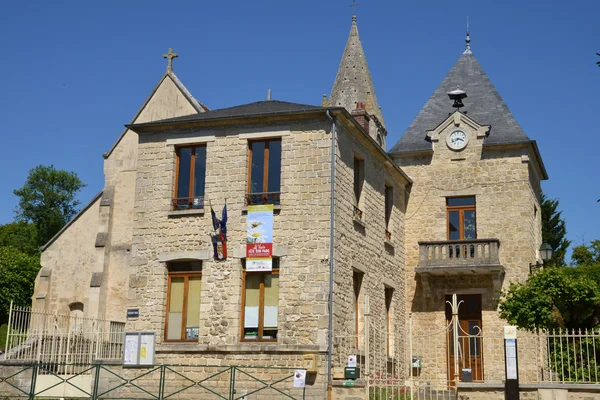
259	243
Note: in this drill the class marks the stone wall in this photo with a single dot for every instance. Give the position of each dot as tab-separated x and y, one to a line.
300	232
66	274
361	244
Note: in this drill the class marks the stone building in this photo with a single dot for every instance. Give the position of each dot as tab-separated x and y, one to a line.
453	207
473	222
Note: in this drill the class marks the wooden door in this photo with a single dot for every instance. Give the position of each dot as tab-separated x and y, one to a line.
470	338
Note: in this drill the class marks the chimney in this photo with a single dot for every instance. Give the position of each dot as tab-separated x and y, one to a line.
361	116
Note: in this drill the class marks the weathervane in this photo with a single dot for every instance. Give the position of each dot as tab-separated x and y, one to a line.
468	38
170	56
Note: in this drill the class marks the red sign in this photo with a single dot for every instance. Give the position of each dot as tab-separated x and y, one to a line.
259	250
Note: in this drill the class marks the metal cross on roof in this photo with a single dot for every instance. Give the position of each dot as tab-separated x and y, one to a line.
170	56
354	5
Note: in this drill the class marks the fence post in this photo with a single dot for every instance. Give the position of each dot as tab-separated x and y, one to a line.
96	382
8	330
232	384
161	383
34	372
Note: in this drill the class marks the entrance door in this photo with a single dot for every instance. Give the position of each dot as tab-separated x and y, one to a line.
470	338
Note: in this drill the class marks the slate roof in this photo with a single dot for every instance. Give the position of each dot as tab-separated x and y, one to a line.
258	108
483	104
353	79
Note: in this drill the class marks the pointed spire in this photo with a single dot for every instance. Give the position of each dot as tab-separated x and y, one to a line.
353	83
468	39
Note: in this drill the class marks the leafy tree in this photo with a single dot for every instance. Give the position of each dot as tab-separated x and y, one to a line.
555	298
20	235
48	200
587	254
17	276
554	231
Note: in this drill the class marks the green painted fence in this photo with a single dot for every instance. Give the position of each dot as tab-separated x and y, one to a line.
161	382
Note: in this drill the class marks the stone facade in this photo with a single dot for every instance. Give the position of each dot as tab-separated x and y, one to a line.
505	182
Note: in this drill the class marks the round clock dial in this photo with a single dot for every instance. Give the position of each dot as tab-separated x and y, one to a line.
457	140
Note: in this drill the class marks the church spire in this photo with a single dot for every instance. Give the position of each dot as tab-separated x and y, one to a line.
353	82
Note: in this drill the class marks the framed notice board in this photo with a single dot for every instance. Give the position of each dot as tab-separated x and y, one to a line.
138	349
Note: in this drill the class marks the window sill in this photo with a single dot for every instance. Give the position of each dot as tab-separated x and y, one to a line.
242	347
360	222
185	213
276	207
389	243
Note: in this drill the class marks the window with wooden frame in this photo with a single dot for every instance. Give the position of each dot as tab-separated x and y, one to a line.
264	171
461	218
260	304
190	177
389	295
389	203
184	286
359	175
357	278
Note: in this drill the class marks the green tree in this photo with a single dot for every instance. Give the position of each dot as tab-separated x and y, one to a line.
20	235
17	276
554	231
586	254
555	298
48	200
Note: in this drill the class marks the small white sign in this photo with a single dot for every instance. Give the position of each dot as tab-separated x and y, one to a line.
510	332
352	361
511	359
300	378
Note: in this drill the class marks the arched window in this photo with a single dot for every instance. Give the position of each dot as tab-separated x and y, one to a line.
379	140
76	314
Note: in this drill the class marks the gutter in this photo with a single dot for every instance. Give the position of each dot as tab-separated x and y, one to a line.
331	256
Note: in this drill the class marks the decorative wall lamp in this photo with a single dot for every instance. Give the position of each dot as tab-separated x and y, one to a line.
545	253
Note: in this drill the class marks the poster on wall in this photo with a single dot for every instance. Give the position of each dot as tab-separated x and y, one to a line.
139	349
259	235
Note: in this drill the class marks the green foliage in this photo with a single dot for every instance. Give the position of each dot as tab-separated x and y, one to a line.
554	298
48	200
17	275
554	231
3	333
20	235
586	254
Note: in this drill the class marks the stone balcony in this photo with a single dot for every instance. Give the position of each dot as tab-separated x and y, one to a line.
455	257
459	258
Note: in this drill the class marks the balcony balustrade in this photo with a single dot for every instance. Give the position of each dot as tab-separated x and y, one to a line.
458	256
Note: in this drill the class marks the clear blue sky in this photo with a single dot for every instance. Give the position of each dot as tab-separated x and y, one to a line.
74	72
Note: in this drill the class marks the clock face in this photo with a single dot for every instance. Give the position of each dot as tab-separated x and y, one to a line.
457	140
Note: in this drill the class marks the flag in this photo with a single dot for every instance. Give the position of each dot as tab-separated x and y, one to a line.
216	223
224	223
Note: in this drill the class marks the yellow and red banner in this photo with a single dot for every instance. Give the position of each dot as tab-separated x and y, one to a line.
259	243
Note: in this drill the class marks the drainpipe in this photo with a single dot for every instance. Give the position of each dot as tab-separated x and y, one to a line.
331	257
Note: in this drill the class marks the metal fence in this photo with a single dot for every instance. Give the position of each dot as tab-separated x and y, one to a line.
432	362
161	382
40	336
